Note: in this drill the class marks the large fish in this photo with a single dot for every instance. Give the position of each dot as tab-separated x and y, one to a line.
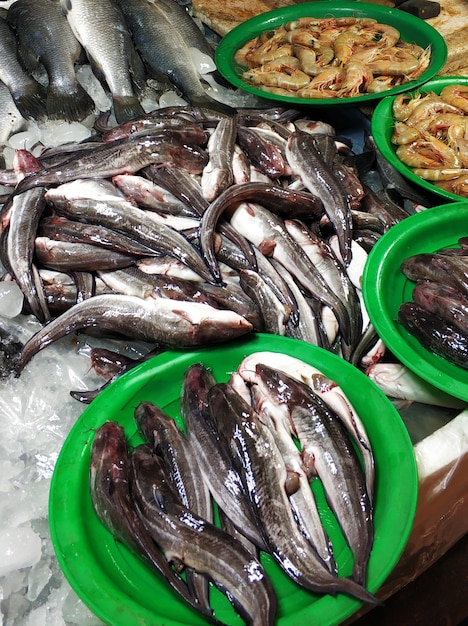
28	94
160	320
264	471
187	539
159	33
45	35
100	27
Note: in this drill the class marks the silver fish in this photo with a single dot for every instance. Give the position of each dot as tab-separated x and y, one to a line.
275	314
217	174
100	27
65	256
45	34
160	320
28	95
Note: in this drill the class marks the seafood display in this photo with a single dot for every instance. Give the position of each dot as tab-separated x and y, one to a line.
437	316
430	136
336	57
170	493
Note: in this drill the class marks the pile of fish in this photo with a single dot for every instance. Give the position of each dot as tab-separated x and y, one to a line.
236	448
438	314
132	46
187	226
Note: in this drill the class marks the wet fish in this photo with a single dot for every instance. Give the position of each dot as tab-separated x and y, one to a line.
256	453
308	164
28	95
444	301
158	320
78	257
101	29
45	34
158	32
113	503
434	334
187	539
217	174
327	452
439	268
211	450
11	120
274	313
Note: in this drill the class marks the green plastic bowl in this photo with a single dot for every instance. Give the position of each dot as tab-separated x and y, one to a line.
382	124
385	288
121	589
412	29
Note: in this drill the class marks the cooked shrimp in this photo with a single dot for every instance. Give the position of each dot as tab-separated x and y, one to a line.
456	95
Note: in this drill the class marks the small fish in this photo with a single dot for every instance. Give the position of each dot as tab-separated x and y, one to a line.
45	35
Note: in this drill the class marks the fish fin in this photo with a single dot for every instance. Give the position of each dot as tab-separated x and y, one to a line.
72	106
31	102
127	108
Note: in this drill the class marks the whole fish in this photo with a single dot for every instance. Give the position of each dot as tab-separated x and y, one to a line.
165	48
444	301
28	95
274	313
327	452
212	454
77	257
100	27
308	164
118	157
44	32
263	153
217	174
79	188
114	505
439	268
188	539
434	334
160	320
256	454
178	457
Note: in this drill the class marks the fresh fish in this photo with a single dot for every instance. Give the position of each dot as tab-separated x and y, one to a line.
78	257
266	155
444	301
212	454
256	454
217	174
28	95
267	232
100	27
152	122
186	538
300	494
79	188
44	32
234	298
119	157
113	503
327	452
307	163
274	313
383	207
158	320
398	381
437	267
434	334
164	47
24	216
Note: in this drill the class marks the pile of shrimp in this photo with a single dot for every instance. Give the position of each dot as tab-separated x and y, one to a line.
431	135
330	58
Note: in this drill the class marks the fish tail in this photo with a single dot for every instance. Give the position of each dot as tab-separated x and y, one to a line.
31	102
72	105
354	589
127	108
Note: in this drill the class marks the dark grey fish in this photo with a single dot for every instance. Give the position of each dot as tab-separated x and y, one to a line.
274	313
266	155
77	257
160	39
212	454
217	174
383	207
439	268
444	301
308	164
28	95
113	503
256	454
100	27
328	452
156	320
434	334
44	32
188	540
